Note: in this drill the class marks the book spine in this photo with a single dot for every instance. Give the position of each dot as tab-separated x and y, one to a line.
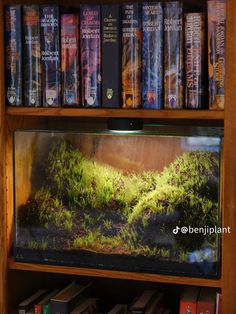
173	60
13	53
31	53
216	52
205	307
59	307
49	24
38	309
194	60
111	56
90	55
131	56
152	55
70	59
46	309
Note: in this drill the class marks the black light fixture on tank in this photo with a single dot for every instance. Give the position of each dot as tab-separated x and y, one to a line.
125	125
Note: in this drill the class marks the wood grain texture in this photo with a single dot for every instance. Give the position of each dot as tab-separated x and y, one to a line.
3	224
229	208
113	274
117	113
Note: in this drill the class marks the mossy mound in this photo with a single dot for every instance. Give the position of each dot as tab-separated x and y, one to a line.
125	212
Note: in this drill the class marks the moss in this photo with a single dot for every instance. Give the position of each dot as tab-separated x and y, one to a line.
82	193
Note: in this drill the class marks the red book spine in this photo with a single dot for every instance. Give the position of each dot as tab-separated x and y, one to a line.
70	59
188	307
38	309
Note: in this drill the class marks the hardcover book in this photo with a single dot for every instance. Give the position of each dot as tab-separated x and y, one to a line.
194	60
118	309
31	53
13	55
206	301
111	56
142	302
70	59
43	306
173	56
152	55
26	305
216	52
155	304
67	299
131	56
86	306
188	302
50	55
90	47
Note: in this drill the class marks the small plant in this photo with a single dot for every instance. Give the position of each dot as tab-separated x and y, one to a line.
33	245
87	241
107	224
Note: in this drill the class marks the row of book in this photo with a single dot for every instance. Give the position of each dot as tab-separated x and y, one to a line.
195	300
76	299
148	55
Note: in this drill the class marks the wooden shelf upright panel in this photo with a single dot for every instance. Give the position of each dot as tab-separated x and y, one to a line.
3	224
229	168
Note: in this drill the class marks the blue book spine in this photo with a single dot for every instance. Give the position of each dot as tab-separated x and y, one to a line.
50	56
152	55
13	54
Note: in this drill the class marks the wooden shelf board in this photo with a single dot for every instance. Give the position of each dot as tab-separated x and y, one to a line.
113	274
117	113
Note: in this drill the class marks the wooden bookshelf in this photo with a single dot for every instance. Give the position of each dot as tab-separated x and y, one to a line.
13	118
91	272
117	113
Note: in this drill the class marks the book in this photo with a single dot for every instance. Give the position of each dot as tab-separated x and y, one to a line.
13	55
173	55
87	306
218	303
90	47
188	302
50	55
111	56
216	52
70	59
118	309
152	55
66	300
42	306
31	53
47	308
131	56
206	301
142	302
194	60
28	304
155	304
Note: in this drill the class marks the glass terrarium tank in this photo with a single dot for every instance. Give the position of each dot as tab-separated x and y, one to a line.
118	200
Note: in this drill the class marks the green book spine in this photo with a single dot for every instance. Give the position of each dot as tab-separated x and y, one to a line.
46	309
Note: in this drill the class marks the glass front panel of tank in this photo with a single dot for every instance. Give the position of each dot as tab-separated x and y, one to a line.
118	201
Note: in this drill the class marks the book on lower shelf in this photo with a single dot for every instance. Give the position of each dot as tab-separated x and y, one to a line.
188	303
28	304
80	299
66	300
